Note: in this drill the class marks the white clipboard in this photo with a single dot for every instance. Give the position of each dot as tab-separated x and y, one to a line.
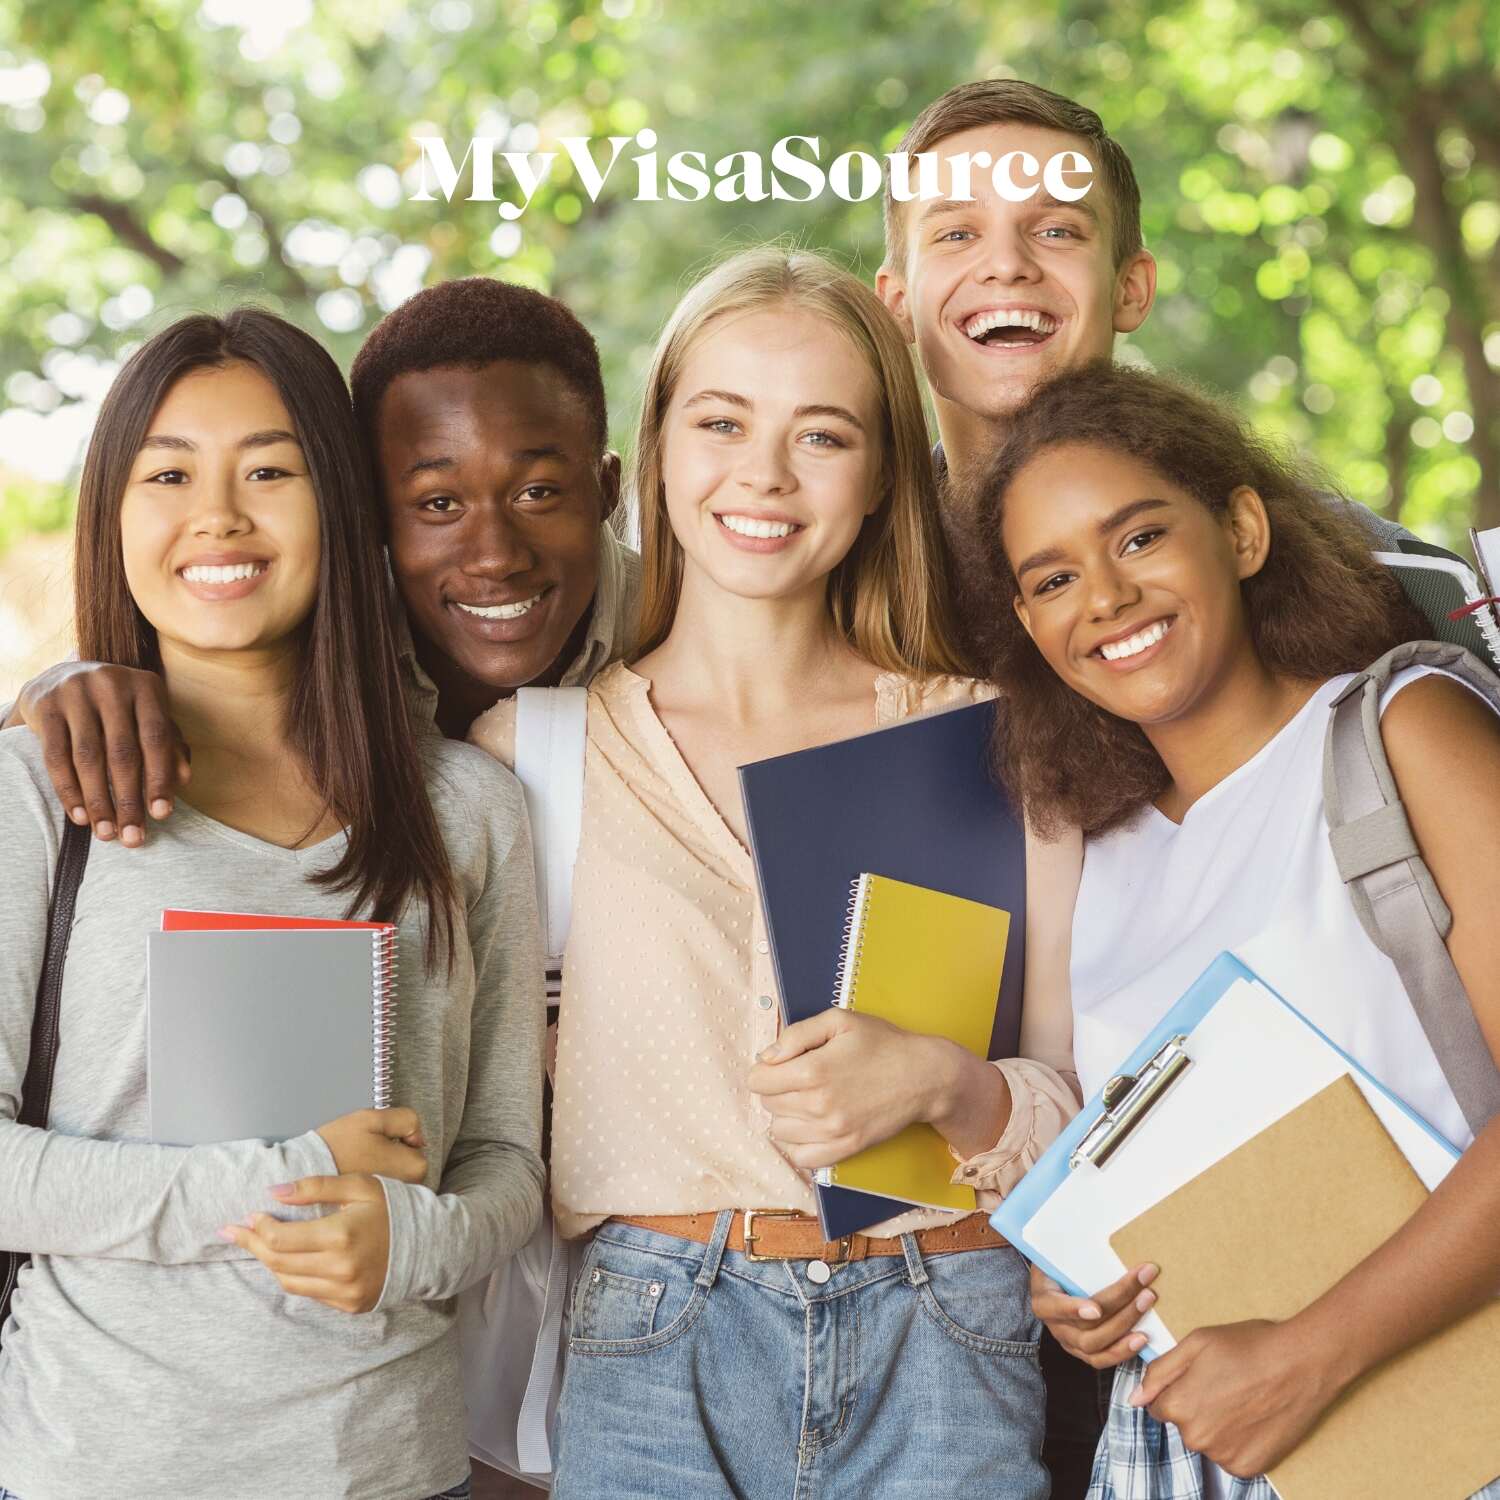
1230	1058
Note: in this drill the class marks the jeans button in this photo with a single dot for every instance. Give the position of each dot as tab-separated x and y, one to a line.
818	1271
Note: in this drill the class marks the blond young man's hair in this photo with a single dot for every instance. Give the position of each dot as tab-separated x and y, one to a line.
887	594
1008	101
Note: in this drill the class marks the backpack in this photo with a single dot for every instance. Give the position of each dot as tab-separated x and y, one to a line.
510	1324
1450	596
1394	895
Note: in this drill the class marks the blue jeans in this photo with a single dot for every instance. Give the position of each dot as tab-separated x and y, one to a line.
694	1371
461	1492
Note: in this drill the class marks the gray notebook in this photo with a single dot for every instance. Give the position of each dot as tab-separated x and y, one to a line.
265	1034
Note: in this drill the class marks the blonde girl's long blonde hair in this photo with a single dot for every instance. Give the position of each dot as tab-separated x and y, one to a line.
888	595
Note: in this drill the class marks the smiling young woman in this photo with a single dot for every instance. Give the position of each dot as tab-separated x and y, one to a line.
187	1319
792	595
1177	610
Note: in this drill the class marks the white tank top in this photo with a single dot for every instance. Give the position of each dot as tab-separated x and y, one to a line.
1249	870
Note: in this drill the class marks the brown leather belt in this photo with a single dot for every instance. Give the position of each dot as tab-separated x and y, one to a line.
775	1234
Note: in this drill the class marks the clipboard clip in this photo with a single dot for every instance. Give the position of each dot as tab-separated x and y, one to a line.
1128	1099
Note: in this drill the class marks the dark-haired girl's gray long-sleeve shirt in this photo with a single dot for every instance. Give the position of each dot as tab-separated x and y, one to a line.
145	1356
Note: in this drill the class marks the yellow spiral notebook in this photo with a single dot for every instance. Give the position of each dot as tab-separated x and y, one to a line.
927	962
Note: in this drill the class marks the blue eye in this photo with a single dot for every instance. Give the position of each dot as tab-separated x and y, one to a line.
722	425
826	439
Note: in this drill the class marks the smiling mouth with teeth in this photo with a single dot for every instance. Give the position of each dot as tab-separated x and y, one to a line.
222	572
500	611
764	530
1133	645
1012	327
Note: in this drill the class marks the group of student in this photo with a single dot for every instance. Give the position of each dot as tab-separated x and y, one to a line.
260	720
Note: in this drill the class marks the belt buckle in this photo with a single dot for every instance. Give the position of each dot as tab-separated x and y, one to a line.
751	1214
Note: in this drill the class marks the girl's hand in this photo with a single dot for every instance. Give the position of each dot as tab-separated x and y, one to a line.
1243	1394
841	1081
1096	1329
339	1260
387	1142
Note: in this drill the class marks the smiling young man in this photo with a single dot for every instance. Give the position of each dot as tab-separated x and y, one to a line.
998	294
483	406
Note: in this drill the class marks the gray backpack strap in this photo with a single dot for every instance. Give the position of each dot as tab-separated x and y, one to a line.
551	729
1394	894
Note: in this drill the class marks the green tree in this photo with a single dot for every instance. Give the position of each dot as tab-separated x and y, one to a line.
1323	190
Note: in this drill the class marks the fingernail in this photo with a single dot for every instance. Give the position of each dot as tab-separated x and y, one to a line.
79	815
1136	1341
770	1054
105	830
1147	1274
248	1221
1144	1301
225	1234
131	835
282	1189
161	808
1089	1311
1137	1397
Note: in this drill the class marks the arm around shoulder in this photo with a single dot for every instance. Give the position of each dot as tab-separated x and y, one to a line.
64	1194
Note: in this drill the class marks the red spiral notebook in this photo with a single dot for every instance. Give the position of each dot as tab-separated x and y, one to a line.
261	1026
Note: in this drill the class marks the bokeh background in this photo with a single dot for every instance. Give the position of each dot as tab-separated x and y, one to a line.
1321	187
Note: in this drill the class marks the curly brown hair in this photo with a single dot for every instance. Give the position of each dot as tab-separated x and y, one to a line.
1321	604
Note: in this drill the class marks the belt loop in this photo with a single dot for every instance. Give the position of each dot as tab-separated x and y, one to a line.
915	1270
715	1252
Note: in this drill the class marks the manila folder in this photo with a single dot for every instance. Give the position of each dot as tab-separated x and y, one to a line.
1266	1231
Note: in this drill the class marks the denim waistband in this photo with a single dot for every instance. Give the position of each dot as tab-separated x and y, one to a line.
781	1276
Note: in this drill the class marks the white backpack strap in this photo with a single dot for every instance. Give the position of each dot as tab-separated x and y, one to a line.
1394	894
551	728
551	738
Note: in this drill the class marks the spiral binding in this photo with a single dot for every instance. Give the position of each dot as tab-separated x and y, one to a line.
384	964
851	949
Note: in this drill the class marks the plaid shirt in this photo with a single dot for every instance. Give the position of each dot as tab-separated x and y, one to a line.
1140	1458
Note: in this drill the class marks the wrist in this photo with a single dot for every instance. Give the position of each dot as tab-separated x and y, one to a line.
1323	1352
967	1100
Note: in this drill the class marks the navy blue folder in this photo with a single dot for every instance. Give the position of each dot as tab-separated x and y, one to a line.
915	801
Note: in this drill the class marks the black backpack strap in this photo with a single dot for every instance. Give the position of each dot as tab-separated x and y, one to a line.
1393	892
36	1091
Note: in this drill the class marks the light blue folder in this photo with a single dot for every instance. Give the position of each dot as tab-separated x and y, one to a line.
1053	1169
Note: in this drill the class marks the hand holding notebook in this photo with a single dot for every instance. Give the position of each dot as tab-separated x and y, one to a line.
931	963
1265	1232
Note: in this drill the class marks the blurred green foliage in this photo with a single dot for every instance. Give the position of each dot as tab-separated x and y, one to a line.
1321	183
